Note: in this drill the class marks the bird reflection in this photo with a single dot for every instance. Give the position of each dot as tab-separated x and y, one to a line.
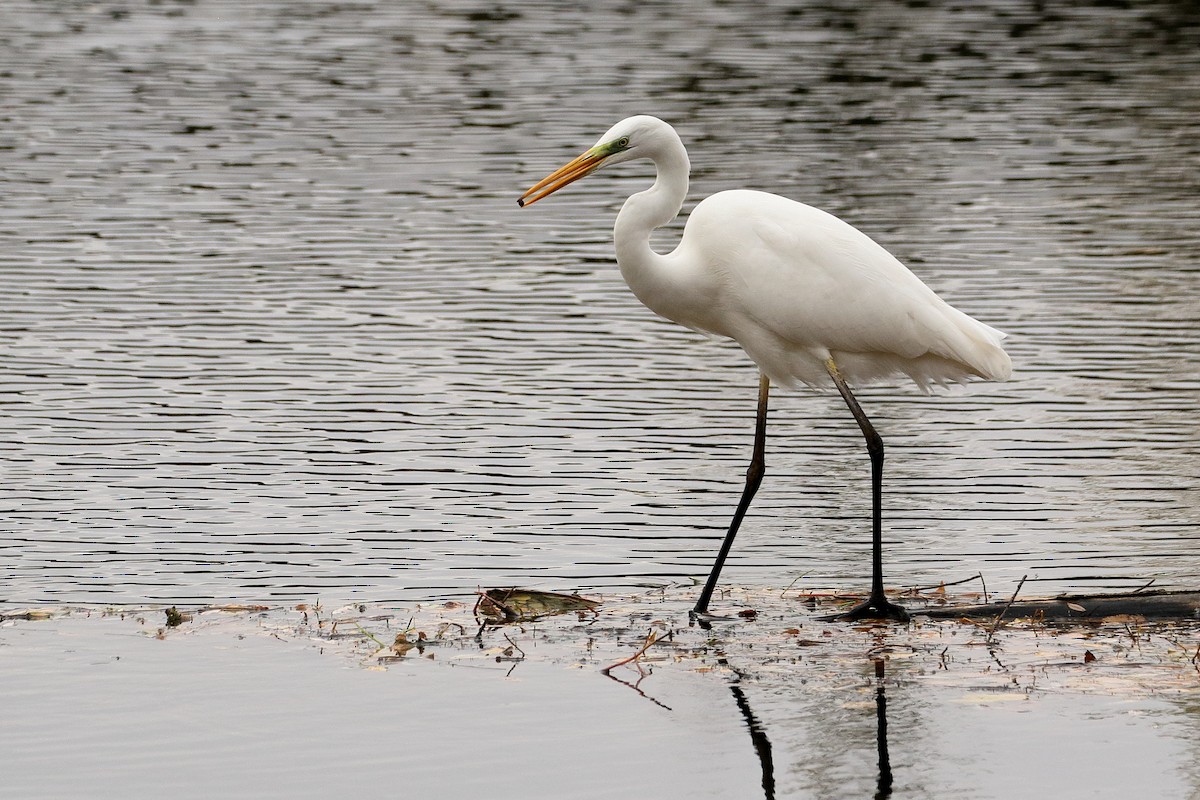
884	789
758	737
762	743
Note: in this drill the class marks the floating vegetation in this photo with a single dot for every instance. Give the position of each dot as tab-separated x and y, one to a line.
524	605
763	635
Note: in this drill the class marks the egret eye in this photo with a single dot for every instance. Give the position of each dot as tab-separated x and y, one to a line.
623	141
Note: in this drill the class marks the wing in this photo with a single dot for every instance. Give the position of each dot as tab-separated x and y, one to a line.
814	282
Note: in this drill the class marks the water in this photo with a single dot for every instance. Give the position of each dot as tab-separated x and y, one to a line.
274	327
267	705
255	717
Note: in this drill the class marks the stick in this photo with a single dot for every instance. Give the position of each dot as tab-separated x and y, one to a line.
651	639
369	635
514	644
1004	610
978	577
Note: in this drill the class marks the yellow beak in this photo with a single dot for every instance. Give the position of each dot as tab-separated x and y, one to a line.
581	167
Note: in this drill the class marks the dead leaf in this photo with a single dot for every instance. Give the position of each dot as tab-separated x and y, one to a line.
521	605
1088	657
28	613
1077	607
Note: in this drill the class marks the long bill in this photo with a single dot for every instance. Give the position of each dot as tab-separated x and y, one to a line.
580	167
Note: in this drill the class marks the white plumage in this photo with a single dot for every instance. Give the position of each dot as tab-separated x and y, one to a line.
797	285
793	285
811	299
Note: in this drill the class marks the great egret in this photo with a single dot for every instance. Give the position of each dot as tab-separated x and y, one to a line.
811	299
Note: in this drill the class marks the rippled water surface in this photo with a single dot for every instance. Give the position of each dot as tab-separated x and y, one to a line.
274	327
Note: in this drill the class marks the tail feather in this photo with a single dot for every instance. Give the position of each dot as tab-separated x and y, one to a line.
977	347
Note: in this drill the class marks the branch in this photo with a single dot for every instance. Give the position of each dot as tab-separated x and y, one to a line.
1004	611
651	640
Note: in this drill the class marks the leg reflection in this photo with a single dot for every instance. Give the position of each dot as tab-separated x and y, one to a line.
884	789
758	737
762	744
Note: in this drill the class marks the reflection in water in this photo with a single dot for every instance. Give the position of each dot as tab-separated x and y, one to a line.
762	743
881	735
758	734
758	737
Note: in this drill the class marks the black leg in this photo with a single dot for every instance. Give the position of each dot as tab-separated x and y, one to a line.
754	476
877	605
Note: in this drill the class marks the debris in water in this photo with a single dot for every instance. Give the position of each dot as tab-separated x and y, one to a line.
523	605
30	614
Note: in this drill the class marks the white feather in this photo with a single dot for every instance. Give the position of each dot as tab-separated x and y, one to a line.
793	285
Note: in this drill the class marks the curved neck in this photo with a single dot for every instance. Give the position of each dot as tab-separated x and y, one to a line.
653	208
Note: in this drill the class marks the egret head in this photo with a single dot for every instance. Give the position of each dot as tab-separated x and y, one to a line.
635	137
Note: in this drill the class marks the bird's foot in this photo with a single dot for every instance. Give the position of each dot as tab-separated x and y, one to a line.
703	613
874	607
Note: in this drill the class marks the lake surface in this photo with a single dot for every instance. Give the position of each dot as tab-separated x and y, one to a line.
275	329
314	704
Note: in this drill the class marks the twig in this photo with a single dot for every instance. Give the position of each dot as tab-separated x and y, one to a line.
943	583
445	626
996	658
1144	588
1134	638
979	577
1000	616
369	635
651	639
514	644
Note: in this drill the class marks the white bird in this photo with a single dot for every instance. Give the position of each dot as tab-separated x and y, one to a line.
811	299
